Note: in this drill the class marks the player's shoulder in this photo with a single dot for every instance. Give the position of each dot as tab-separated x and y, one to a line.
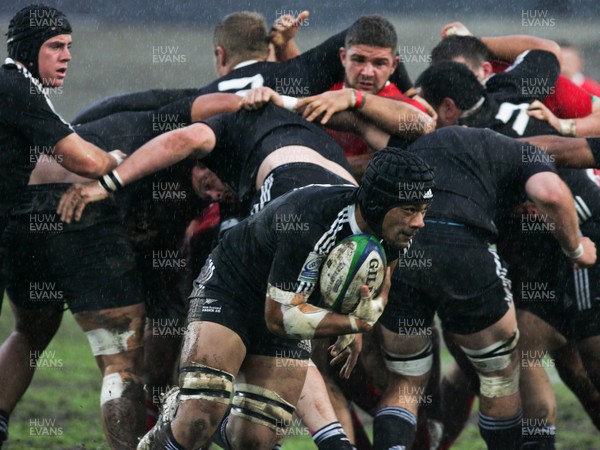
13	83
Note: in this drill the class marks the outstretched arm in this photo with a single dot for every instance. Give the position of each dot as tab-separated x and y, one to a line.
83	158
505	48
566	152
391	116
555	204
582	126
159	153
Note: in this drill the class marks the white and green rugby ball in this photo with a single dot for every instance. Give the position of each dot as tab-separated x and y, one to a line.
355	261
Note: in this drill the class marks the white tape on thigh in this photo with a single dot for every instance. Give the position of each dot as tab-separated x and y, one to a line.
412	365
106	342
112	388
493	387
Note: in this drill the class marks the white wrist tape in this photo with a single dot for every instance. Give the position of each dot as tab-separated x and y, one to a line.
115	154
353	323
568	127
575	254
370	309
300	324
289	103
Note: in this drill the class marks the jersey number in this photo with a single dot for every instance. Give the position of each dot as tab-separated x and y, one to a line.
241	85
506	112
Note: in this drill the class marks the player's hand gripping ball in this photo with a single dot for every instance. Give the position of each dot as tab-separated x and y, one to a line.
356	261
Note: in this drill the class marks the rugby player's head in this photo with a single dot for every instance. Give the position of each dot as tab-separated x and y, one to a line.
571	64
369	53
39	37
394	195
240	36
468	50
452	90
209	187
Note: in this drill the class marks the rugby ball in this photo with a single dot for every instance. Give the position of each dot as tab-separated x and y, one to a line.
357	260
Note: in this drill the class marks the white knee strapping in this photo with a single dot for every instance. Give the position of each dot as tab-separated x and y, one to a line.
492	387
106	342
494	357
112	387
491	359
262	406
200	382
411	365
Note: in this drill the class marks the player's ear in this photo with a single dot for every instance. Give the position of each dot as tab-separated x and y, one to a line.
220	56
448	111
342	54
487	69
395	62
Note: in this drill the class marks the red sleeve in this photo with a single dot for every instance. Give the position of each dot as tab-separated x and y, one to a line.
591	86
569	101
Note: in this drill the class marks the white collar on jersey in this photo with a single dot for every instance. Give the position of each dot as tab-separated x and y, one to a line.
469	112
245	63
352	220
26	73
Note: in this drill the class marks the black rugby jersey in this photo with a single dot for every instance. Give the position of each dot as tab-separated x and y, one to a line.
246	138
29	129
479	173
508	94
285	243
586	193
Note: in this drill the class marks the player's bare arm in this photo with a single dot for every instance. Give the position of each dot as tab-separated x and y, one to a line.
566	152
505	48
209	105
390	115
554	201
85	159
163	151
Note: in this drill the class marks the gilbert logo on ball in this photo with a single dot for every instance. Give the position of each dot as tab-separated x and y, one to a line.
353	262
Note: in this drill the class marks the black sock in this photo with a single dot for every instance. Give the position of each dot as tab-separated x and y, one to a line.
394	427
3	426
537	435
165	440
219	437
501	433
332	437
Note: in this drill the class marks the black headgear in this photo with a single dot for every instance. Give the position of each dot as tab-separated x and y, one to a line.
29	29
394	177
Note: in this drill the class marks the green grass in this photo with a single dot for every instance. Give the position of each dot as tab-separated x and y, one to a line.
61	409
68	398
